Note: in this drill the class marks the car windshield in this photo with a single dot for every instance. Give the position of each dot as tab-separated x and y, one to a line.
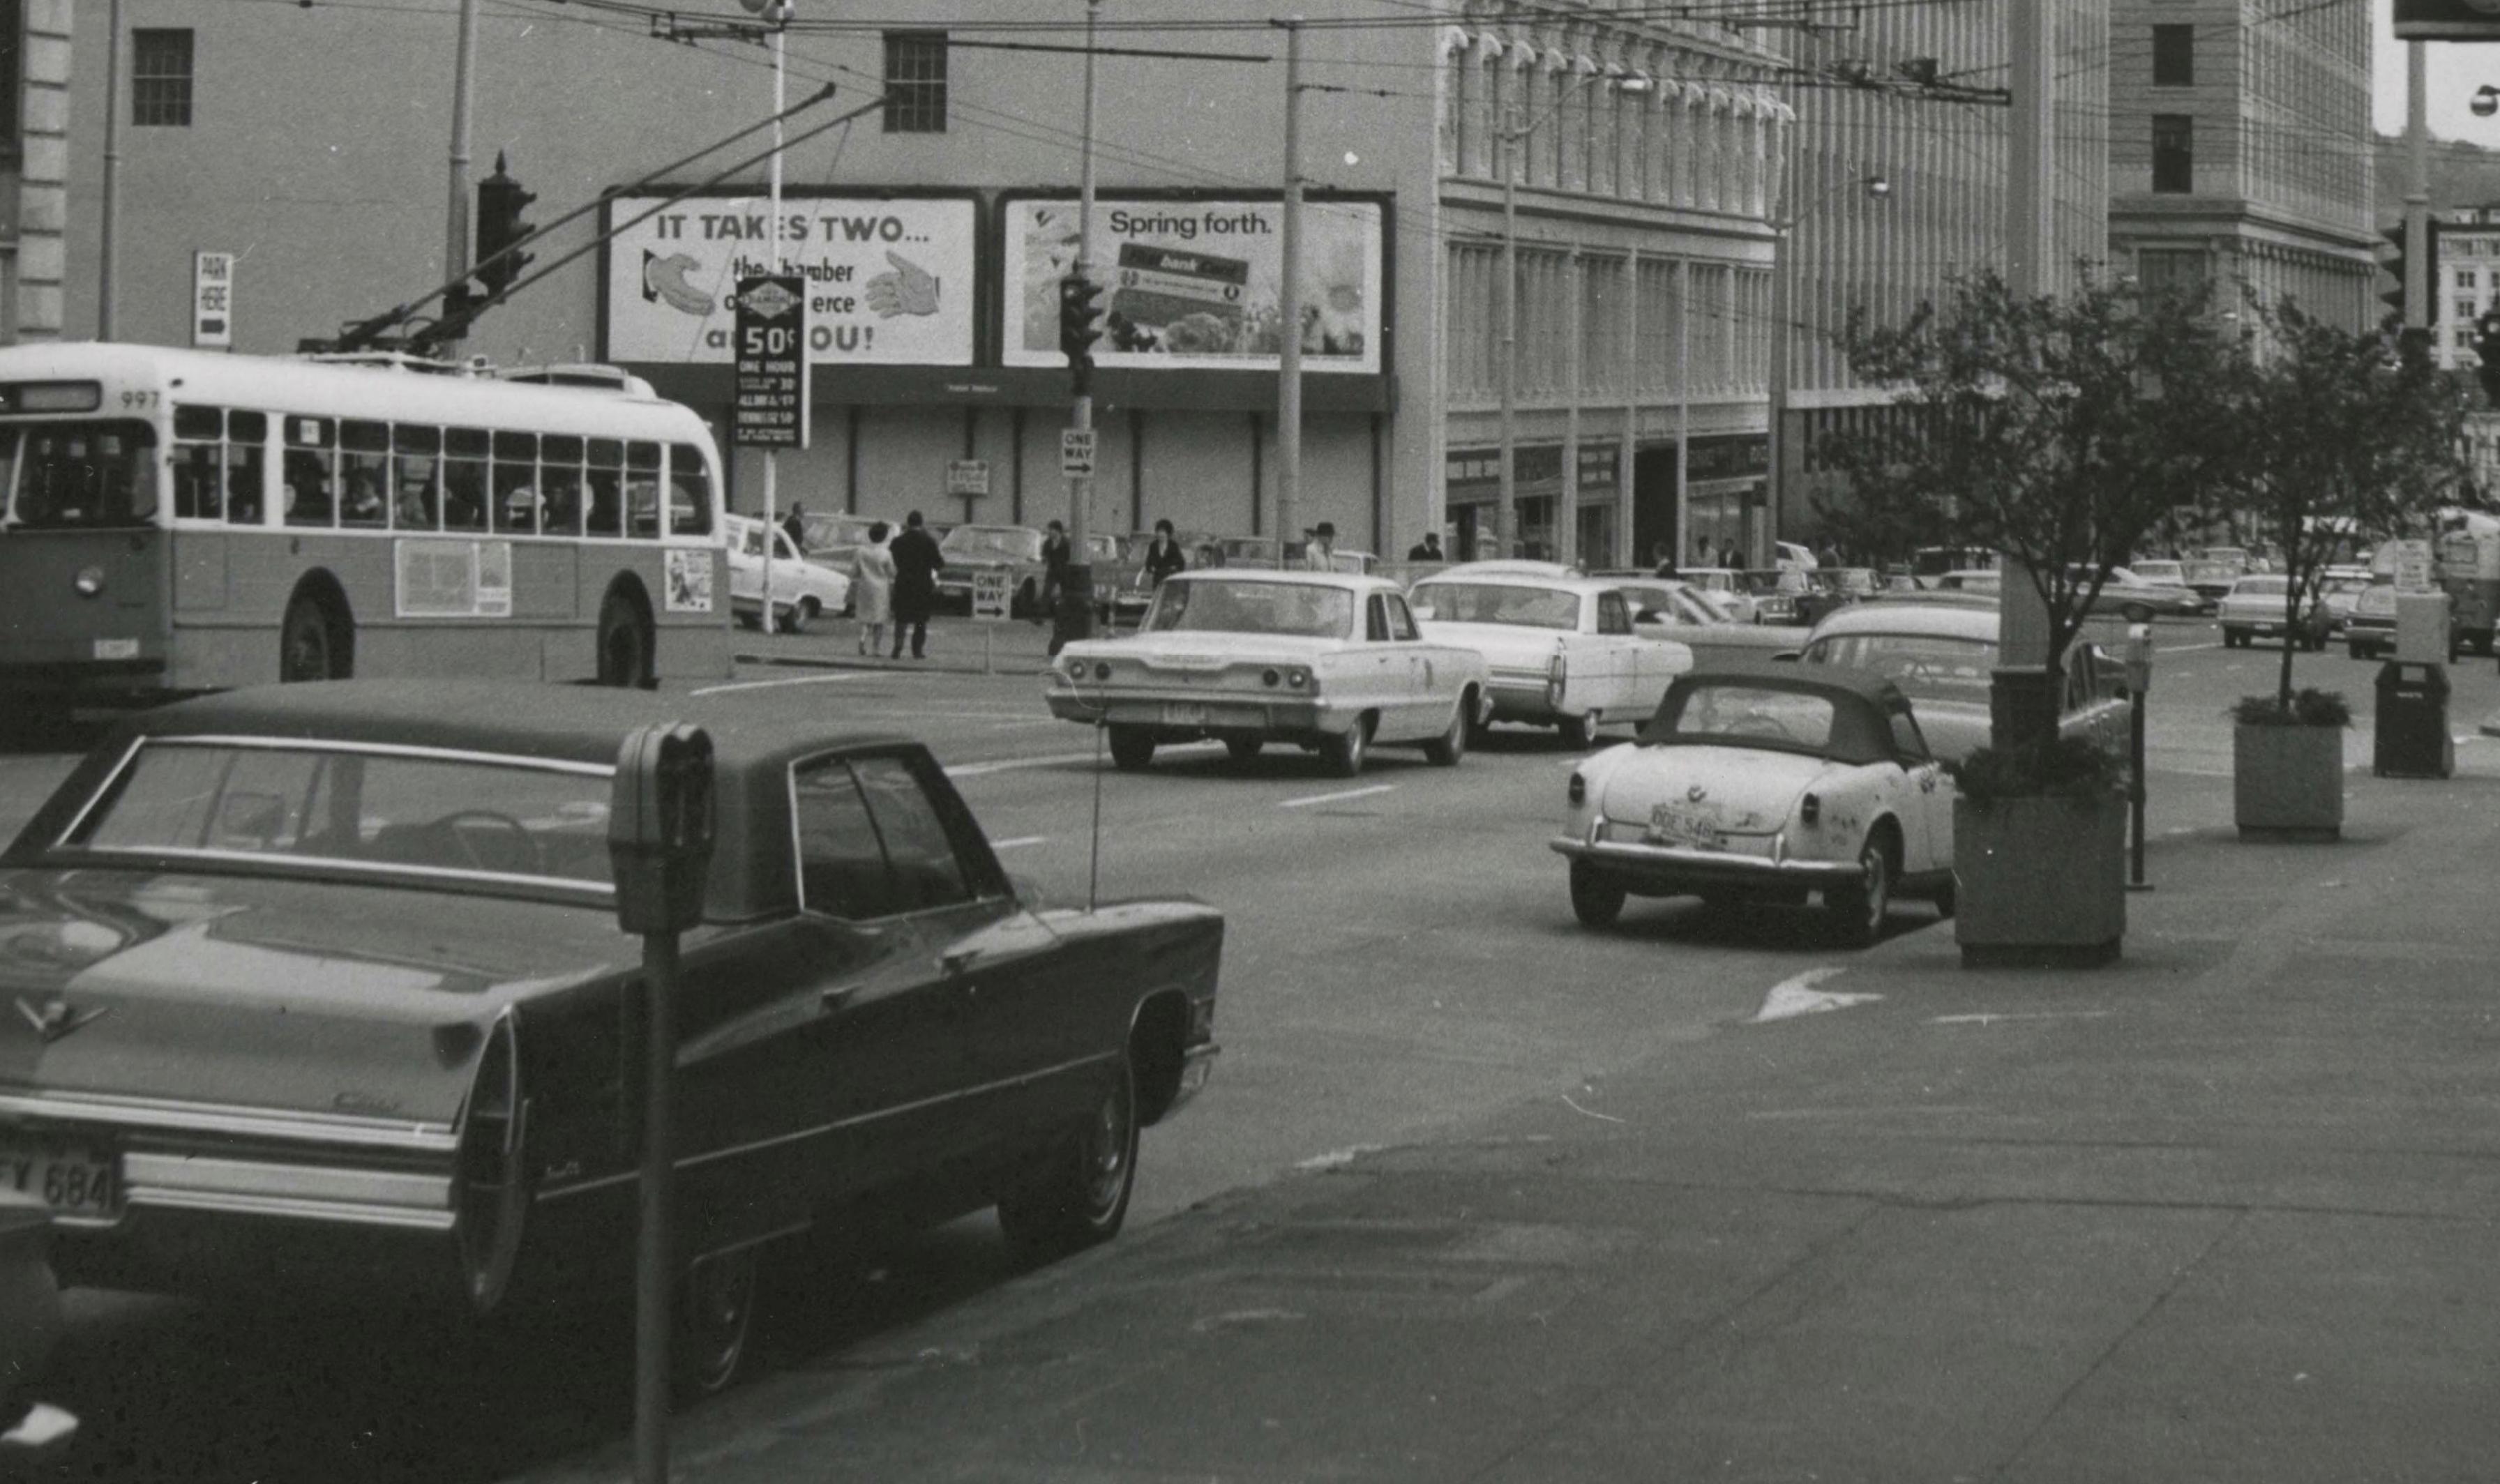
1500	603
991	543
1733	712
1200	605
380	809
2258	587
2159	571
78	475
823	532
1926	666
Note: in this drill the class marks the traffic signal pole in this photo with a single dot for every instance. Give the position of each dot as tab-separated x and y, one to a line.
464	68
2421	273
1074	617
773	188
1289	360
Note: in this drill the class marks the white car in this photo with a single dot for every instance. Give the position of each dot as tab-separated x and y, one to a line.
1331	661
2254	610
1767	783
1726	585
1562	651
1943	657
802	591
1665	608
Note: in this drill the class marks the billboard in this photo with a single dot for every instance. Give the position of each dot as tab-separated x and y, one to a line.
2470	21
888	282
1195	284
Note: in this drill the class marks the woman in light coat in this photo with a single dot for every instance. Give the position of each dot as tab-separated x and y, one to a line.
873	590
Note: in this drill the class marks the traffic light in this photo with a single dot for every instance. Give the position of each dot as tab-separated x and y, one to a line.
2394	298
2486	344
499	204
1080	324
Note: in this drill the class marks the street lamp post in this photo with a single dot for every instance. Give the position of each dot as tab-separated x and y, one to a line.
1513	136
1783	328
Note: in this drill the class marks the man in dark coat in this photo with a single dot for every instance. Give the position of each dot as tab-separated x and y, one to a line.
1164	555
915	584
1056	553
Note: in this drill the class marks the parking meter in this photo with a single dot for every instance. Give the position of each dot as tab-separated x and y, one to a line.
2139	684
659	846
660	827
2139	659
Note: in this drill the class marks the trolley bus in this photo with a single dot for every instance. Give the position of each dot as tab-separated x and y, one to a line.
175	521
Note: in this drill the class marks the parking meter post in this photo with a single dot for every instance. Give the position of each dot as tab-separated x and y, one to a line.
2139	684
659	847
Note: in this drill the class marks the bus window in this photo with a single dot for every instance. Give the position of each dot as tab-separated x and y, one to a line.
310	471
246	468
416	505
199	464
517	482
463	478
364	473
86	474
605	458
691	496
643	489
560	483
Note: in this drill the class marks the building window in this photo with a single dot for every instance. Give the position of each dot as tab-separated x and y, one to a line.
2174	57
2465	309
2465	278
915	82
2167	272
2174	154
160	77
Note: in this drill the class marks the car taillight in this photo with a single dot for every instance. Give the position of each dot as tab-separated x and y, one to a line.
1558	671
1578	791
1809	810
1271	678
1075	669
1298	678
1103	669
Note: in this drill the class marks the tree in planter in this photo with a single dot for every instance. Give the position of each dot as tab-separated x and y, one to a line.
2059	432
2332	434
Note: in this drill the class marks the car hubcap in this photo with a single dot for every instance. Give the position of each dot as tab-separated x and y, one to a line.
1106	1156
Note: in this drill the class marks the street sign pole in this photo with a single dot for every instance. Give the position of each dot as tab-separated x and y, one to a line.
1076	596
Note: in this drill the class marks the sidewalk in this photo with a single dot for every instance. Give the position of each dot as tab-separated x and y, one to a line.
2224	1210
956	646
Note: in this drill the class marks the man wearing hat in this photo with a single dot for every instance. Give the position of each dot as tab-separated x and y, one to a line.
1320	556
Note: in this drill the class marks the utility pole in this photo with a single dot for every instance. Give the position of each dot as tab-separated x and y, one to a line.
107	256
1080	487
780	17
464	69
1505	519
1289	364
2422	274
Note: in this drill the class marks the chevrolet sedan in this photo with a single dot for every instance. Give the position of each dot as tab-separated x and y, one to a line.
1942	655
1562	651
321	987
1767	783
1329	662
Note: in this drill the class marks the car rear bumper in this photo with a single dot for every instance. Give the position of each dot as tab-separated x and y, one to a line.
1202	713
1669	869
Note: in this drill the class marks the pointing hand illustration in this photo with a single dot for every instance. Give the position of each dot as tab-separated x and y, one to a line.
910	289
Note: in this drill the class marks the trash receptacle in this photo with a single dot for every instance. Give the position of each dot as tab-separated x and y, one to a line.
2412	738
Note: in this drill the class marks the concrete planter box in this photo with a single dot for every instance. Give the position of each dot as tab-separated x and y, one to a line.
2287	781
2040	882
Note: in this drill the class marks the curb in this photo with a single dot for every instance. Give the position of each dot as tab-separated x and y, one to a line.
1009	666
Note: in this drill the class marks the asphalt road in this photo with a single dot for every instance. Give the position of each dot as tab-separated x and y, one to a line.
1401	961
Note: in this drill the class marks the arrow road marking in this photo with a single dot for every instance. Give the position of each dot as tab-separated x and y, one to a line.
1797	996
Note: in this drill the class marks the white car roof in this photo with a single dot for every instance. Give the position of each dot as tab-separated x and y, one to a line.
1300	577
1559	582
1951	621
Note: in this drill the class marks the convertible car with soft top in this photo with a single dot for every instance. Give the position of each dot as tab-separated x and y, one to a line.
321	988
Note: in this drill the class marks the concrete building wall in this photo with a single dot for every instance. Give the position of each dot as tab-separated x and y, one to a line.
38	259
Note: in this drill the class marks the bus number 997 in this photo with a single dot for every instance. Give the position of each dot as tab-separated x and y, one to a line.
138	402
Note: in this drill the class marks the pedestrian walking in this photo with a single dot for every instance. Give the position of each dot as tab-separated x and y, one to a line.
1427	549
1163	554
1730	558
1054	556
915	585
1320	556
872	588
1701	553
795	526
1665	555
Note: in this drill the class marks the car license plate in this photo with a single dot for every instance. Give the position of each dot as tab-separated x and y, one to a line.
1184	714
72	1180
1673	824
116	648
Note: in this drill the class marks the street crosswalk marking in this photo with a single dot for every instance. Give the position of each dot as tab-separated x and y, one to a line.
1331	798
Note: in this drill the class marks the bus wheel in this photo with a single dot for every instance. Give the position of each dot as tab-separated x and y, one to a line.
624	643
310	645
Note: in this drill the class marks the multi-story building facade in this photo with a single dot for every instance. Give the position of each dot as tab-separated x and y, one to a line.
2240	149
34	166
1909	100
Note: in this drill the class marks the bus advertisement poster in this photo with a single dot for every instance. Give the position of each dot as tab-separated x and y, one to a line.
452	579
889	281
769	407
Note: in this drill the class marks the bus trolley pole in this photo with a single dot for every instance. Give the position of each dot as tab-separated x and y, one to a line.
2139	683
659	845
